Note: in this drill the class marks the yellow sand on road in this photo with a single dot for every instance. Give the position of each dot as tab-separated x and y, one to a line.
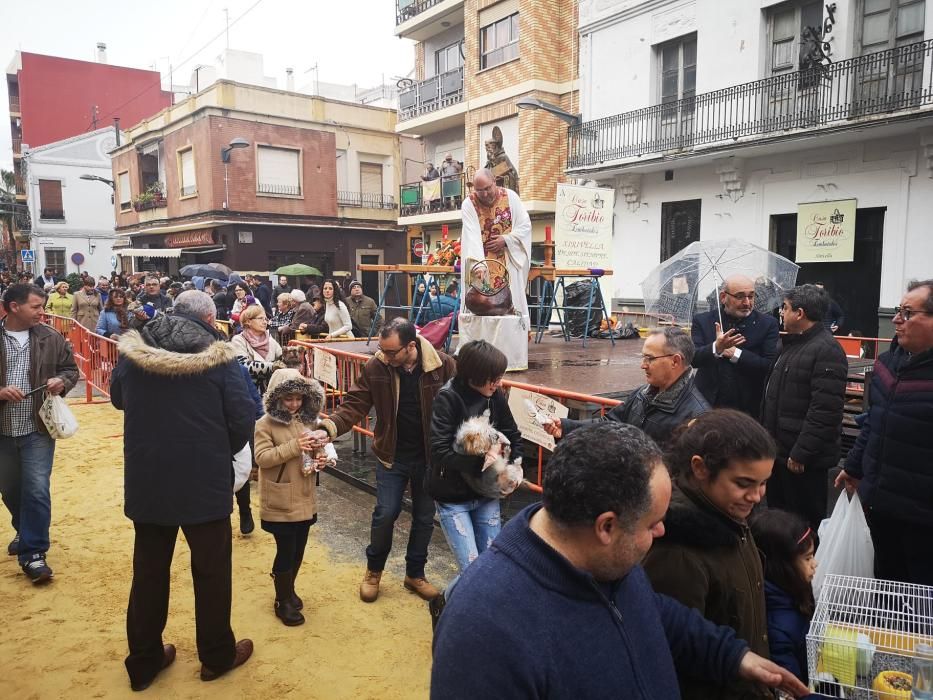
67	639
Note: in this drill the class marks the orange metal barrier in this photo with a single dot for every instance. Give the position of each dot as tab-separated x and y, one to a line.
94	354
349	365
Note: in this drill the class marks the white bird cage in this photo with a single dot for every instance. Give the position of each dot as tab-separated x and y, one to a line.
863	628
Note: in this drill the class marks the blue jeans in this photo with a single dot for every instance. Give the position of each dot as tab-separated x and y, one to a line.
390	487
469	527
25	473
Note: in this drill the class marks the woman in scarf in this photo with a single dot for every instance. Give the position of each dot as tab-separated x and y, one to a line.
256	348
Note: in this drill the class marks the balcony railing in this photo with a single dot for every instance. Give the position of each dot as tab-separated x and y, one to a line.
365	200
432	94
406	9
289	190
837	94
14	103
17	145
432	196
155	202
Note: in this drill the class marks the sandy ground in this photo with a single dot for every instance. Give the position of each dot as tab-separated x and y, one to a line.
67	639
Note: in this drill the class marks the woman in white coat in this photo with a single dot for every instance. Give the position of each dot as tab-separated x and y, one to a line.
336	313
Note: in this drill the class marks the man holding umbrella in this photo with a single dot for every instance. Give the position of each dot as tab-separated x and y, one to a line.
733	356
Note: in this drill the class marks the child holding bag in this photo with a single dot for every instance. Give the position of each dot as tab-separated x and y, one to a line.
288	507
788	546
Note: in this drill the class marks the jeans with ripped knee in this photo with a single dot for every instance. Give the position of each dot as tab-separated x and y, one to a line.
469	527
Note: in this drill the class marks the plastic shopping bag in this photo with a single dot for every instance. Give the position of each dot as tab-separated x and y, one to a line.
242	465
58	418
845	543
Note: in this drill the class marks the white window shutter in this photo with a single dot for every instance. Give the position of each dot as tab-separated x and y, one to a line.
278	170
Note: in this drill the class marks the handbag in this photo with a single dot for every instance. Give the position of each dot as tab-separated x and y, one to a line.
489	293
58	418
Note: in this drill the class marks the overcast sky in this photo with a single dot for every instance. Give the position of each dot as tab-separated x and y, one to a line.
351	41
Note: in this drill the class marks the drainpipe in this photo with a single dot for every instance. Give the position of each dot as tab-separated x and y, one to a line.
116	128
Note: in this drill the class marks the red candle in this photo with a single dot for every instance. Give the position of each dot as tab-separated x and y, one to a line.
444	231
547	234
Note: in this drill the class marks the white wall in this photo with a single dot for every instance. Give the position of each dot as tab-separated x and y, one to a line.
888	173
89	219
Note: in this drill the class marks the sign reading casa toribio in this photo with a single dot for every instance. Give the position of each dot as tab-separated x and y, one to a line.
826	231
583	229
187	239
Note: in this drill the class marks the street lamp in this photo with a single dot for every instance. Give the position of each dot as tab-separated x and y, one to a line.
98	178
225	158
535	103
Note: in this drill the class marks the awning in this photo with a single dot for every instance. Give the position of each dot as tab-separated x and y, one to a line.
149	252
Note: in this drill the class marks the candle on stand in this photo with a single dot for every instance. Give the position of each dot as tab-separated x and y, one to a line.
547	234
444	231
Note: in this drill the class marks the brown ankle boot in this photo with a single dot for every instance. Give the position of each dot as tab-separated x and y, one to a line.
369	588
421	588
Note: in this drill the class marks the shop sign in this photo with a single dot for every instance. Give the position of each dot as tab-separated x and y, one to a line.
187	239
583	228
826	231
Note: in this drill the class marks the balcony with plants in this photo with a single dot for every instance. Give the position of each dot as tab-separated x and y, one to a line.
153	197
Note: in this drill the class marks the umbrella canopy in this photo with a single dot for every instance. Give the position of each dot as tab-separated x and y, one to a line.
688	283
214	271
298	270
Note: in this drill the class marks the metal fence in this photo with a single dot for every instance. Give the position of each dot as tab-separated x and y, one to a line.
266	188
434	93
406	9
365	200
837	94
429	196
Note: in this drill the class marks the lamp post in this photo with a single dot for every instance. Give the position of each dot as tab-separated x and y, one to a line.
98	178
535	103
225	158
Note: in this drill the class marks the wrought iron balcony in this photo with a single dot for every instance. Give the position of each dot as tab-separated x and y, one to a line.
406	9
430	95
822	97
289	190
365	200
432	196
14	103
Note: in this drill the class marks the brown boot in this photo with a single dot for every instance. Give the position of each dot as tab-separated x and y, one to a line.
421	587
369	589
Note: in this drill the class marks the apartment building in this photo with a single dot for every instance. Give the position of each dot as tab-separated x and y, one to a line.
256	178
53	98
473	60
724	118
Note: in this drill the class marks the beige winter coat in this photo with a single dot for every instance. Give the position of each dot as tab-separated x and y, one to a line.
285	494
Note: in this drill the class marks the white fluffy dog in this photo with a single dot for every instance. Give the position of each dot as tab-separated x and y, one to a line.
478	437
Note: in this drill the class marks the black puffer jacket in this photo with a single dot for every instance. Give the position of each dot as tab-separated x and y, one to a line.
187	411
804	397
455	403
658	414
894	452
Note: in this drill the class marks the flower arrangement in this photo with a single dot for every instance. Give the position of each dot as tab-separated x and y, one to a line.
447	254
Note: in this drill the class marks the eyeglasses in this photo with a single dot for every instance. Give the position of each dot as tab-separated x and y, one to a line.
651	358
391	353
907	313
742	296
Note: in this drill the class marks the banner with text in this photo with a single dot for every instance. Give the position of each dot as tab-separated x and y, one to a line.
583	230
826	231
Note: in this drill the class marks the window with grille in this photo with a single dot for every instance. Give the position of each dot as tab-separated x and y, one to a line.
680	226
50	200
278	171
677	74
891	30
55	261
126	196
186	172
498	42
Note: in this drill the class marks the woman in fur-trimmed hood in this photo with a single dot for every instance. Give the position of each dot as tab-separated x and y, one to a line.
286	491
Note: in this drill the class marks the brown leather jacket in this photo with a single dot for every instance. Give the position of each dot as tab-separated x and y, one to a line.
708	561
49	356
377	387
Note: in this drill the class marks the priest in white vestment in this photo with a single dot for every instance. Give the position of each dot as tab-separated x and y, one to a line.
496	226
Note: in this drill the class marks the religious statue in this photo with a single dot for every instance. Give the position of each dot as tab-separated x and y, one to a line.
498	162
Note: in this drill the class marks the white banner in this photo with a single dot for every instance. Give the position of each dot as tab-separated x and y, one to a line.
583	230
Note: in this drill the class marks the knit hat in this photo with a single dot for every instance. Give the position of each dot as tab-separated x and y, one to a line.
355	283
297	295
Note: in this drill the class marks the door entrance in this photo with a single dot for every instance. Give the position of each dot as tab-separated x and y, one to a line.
856	286
372	281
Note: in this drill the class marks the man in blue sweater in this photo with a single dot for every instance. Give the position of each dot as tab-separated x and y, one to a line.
559	607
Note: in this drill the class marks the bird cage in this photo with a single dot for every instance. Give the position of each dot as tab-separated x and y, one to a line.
865	635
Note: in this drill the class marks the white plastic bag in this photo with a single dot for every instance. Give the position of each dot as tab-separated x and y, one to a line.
845	543
58	418
242	465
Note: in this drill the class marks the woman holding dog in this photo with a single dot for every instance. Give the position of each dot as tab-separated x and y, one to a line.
469	519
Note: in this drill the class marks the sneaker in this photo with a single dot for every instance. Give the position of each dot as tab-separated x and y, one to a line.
37	570
13	548
421	588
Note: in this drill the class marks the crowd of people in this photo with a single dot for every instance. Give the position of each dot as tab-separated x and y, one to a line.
671	554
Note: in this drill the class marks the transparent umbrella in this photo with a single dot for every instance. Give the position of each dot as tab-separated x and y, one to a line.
689	282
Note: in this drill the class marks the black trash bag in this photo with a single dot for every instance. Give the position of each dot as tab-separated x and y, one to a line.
578	294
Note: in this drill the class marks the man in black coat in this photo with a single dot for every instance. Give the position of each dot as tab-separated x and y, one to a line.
187	411
803	406
892	461
733	360
669	399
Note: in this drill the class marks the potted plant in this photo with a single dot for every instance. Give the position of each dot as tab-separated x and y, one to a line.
151	198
